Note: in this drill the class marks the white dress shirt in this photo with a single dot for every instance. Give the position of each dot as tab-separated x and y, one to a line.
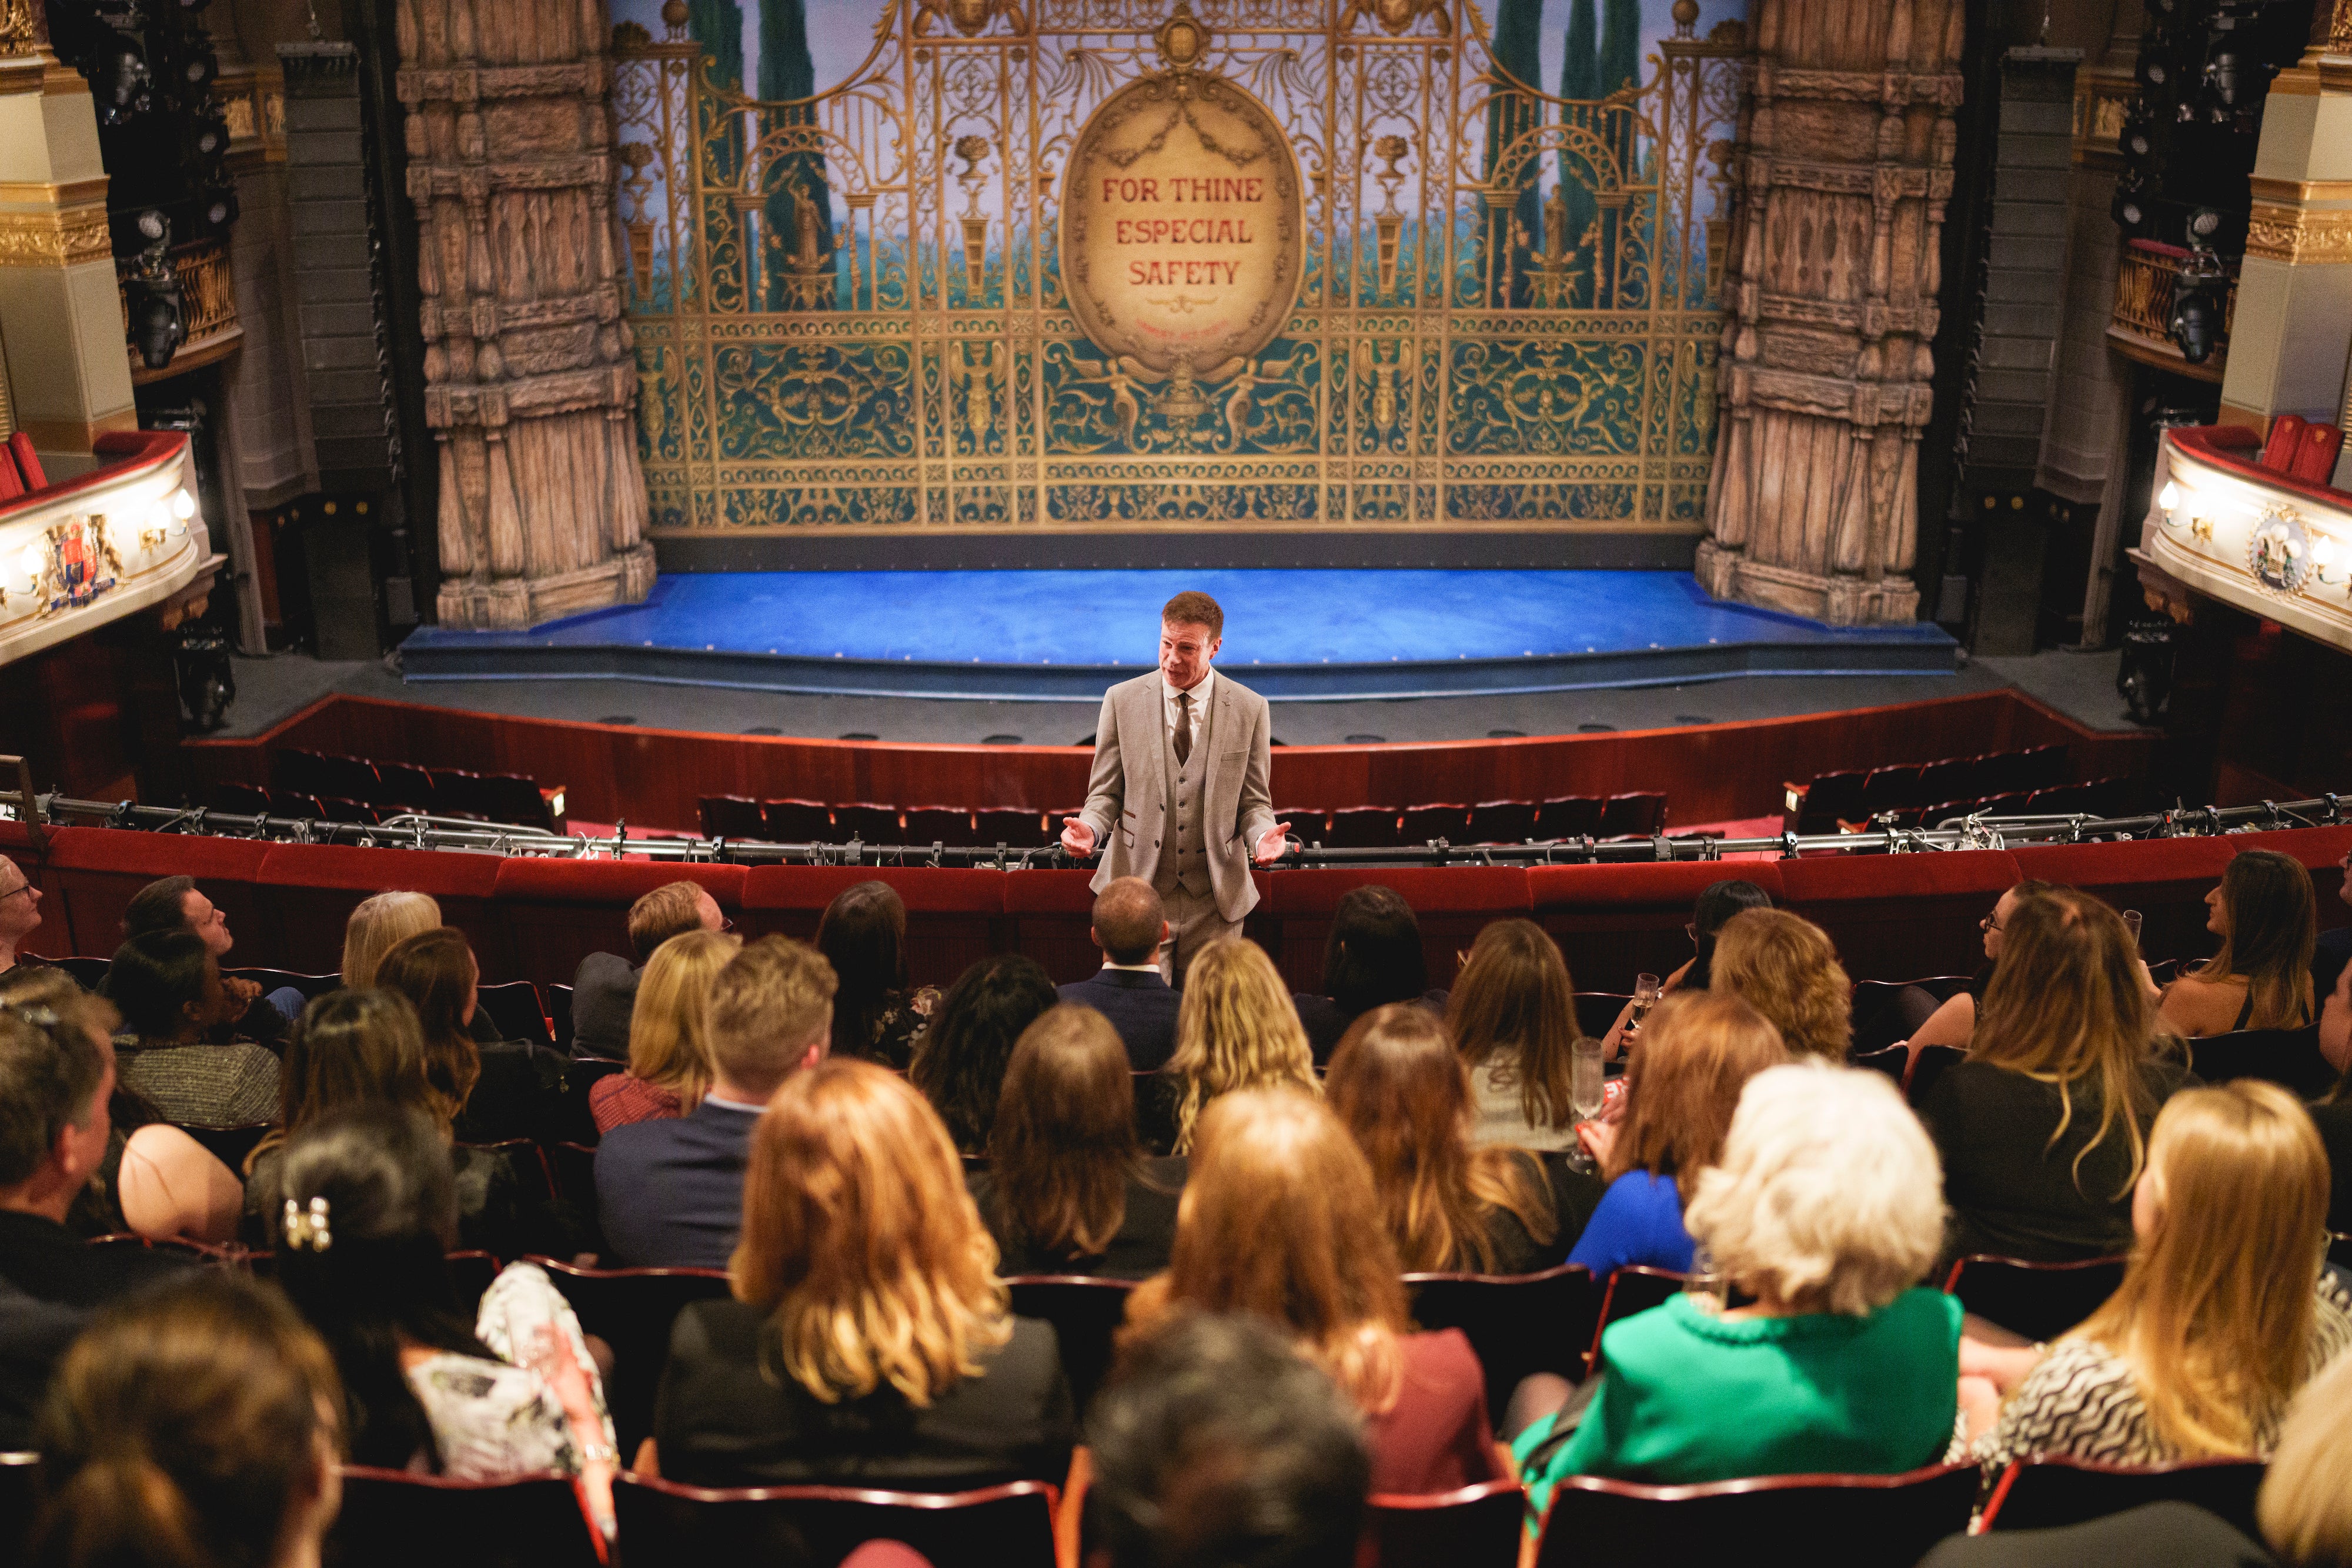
1200	695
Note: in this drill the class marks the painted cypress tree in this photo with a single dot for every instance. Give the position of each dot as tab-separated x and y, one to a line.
1580	80
1518	49
787	71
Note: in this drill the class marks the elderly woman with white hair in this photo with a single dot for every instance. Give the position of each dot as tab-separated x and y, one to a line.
1826	1207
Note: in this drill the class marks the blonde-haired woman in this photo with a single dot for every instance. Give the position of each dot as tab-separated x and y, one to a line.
1824	1209
2224	1311
669	1045
867	1340
2043	1129
1784	966
380	924
1280	1218
1236	1029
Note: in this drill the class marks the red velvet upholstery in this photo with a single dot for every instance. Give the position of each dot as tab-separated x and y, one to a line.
559	912
28	464
2284	441
2315	454
313	888
1049	914
1451	903
1928	928
952	913
11	486
98	868
2165	879
1615	922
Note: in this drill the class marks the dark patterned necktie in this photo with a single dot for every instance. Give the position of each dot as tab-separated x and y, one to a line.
1183	728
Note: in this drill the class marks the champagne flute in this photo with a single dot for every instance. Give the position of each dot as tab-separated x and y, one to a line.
1645	996
2132	923
1705	1285
1586	1093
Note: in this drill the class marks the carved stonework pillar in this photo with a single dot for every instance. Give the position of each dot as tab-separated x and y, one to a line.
1847	164
530	379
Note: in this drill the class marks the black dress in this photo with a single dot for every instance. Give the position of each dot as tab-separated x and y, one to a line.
1140	1250
2015	1194
2334	1120
1326	1021
729	1416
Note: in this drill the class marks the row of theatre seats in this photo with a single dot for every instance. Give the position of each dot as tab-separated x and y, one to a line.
1894	917
1639	813
1997	783
339	788
20	468
1551	1320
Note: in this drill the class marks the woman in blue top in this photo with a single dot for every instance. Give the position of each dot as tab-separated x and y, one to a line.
1694	1054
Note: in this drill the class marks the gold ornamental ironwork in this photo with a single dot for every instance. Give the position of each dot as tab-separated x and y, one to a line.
872	306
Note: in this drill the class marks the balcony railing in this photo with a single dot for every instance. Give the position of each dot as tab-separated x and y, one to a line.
207	306
2141	323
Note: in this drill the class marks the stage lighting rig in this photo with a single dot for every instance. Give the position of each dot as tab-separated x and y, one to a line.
2201	292
158	320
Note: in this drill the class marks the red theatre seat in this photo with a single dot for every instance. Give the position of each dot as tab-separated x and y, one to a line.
559	912
1915	915
1615	922
1451	903
952	913
1050	912
313	888
98	868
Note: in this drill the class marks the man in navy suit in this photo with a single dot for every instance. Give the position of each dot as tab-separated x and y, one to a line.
1130	924
671	1192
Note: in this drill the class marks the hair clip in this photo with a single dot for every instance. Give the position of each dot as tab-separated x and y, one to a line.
308	1229
35	1014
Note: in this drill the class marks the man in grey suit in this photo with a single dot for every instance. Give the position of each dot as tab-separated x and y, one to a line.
1180	794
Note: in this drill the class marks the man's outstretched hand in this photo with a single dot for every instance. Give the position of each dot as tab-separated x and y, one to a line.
1274	843
1076	837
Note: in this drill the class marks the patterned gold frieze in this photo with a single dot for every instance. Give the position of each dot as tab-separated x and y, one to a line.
2300	235
54	238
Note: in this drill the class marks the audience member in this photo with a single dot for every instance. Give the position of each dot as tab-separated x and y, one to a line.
198	1428
33	1334
377	925
2265	914
670	1192
54	1084
2224	1311
868	1340
604	988
1235	1030
507	1089
2153	1535
2304	1509
1452	1207
1699	1051
20	916
1784	966
1513	1019
1824	1207
1710	911
877	1016
1067	1189
959	1061
1281	1218
176	904
1130	924
1953	1020
369	1216
1373	956
359	1047
1214	1446
2331	951
167	986
154	1180
2043	1129
669	1034
2333	1114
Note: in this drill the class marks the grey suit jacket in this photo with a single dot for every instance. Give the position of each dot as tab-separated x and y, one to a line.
1127	799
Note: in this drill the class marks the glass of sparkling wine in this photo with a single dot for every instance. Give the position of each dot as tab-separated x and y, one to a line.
1585	1097
2131	923
1645	996
1709	1291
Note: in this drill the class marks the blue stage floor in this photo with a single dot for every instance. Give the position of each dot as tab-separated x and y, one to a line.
1065	634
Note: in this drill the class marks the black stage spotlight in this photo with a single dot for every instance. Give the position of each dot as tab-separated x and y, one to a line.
2199	289
158	324
118	78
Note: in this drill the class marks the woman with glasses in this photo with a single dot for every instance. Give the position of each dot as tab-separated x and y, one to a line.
1956	1019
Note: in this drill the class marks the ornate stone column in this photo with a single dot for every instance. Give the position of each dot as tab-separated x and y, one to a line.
1845	167
532	383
